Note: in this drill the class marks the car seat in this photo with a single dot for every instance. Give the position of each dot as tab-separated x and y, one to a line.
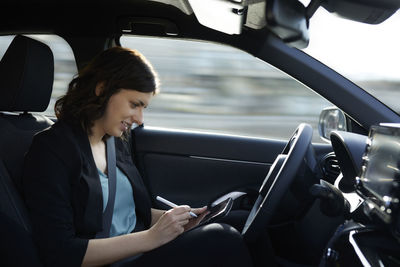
26	81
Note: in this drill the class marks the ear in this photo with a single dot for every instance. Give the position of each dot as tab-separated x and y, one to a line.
99	88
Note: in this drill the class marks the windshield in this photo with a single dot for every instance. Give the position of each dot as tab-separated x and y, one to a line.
366	54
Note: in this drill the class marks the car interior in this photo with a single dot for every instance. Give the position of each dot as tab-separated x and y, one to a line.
295	193
24	88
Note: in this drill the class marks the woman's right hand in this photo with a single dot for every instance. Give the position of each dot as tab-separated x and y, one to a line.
170	225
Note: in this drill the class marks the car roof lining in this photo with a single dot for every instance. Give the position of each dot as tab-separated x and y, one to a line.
89	18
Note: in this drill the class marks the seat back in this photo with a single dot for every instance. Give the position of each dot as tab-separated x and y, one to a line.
26	81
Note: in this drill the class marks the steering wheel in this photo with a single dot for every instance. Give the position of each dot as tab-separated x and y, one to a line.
277	182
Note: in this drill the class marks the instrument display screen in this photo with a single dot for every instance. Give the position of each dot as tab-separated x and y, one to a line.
381	163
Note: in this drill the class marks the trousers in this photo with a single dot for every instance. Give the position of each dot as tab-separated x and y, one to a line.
211	245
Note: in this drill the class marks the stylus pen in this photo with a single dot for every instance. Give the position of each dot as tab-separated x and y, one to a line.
172	205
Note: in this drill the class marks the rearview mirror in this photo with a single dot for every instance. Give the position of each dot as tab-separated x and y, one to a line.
365	11
331	119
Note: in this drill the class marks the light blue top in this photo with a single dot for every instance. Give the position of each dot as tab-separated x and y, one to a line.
124	215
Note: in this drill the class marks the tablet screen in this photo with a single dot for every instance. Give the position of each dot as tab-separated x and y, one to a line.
218	211
212	214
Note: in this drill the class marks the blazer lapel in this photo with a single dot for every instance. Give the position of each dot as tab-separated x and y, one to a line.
94	208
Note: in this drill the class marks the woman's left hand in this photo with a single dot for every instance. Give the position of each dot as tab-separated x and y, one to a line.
201	213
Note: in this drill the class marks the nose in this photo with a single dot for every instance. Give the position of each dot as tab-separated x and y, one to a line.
138	116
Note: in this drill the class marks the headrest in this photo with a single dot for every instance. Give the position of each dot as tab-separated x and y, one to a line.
26	76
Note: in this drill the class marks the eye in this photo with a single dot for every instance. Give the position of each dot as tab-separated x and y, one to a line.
134	105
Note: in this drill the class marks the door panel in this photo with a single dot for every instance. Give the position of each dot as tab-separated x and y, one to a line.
195	168
197	181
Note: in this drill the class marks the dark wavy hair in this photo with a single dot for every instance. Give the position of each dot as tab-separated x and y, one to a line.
115	68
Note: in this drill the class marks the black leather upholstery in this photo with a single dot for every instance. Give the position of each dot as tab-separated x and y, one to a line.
15	138
26	76
26	80
16	247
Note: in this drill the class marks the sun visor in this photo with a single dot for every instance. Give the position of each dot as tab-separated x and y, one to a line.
284	18
221	15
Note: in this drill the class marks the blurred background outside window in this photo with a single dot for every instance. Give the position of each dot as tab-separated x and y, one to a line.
367	54
216	88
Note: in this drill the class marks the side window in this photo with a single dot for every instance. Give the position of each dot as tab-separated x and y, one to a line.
64	63
211	87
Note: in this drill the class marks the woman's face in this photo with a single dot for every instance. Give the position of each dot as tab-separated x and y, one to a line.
124	108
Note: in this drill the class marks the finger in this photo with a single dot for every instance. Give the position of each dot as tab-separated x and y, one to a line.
177	211
167	212
181	209
181	230
199	210
173	215
177	228
202	215
183	216
183	222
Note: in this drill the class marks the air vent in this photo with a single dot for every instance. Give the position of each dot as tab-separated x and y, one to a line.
330	167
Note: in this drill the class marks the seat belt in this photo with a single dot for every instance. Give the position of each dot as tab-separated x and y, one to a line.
112	181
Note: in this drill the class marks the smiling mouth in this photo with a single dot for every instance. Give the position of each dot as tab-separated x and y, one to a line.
127	125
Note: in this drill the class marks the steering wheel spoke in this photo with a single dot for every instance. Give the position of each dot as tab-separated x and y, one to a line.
277	182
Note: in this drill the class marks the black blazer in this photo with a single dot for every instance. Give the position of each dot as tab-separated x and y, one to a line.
63	193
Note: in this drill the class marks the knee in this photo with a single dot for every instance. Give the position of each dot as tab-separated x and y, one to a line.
222	232
228	241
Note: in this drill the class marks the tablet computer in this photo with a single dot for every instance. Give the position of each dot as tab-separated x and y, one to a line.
213	214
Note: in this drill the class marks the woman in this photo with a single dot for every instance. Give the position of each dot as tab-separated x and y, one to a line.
66	186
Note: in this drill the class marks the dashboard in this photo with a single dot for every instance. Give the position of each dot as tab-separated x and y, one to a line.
370	182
